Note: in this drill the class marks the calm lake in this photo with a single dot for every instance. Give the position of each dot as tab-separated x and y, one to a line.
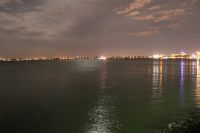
95	96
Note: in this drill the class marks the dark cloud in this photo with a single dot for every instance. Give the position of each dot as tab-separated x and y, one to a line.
93	27
159	12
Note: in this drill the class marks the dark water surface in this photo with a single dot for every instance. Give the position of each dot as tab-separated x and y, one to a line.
93	96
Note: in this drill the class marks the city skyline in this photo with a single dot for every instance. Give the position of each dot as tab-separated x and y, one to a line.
181	55
51	28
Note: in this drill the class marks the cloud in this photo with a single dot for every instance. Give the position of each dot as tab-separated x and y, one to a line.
158	16
4	2
149	32
48	19
25	24
156	7
174	26
144	17
169	14
158	12
135	13
137	4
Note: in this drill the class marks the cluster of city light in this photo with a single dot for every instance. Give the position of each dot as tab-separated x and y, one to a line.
102	58
53	58
2	59
196	55
157	56
181	55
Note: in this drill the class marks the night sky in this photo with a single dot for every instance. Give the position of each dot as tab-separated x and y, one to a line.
98	27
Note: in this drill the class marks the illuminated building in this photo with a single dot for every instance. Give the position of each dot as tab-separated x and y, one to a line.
182	55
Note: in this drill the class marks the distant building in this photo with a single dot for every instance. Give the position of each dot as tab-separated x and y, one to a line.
182	55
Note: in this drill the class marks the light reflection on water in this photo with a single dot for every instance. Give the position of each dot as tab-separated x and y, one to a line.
101	116
198	68
198	83
182	80
156	73
157	81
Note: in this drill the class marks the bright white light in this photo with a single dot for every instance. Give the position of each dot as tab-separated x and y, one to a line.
156	56
183	53
165	57
102	58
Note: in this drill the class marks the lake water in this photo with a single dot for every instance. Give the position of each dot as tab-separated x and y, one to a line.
94	96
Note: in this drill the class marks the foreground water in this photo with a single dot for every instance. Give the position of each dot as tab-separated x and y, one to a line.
93	96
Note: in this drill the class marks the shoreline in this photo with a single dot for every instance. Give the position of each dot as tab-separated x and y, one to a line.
56	59
189	123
